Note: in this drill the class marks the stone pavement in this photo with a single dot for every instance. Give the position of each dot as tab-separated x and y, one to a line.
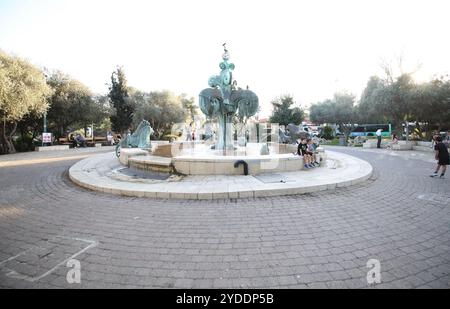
28	158
405	154
322	240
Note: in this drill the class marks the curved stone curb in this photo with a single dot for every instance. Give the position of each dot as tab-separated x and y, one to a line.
92	174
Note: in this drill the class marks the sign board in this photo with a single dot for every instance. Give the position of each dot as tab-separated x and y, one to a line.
46	138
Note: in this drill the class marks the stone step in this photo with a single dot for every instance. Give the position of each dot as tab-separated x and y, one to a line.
151	163
52	148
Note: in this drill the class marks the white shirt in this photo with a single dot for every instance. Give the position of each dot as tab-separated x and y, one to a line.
378	133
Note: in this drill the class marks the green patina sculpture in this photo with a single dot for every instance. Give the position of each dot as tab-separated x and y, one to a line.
139	139
223	101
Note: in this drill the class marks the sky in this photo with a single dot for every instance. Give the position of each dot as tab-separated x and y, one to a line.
308	49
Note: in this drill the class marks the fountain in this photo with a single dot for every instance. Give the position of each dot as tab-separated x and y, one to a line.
223	100
229	167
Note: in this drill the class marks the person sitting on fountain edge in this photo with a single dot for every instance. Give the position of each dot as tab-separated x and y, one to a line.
311	151
303	151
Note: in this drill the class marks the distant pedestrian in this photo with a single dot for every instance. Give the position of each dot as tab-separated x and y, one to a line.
394	141
442	157
80	141
433	139
446	140
378	134
189	133
394	138
110	138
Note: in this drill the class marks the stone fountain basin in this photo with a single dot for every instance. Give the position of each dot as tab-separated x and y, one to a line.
215	163
98	173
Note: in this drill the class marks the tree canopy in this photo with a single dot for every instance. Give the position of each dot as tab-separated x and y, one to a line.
123	107
23	90
73	104
400	99
190	106
339	110
161	108
285	112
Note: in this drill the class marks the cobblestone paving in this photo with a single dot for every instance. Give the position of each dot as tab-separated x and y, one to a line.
400	217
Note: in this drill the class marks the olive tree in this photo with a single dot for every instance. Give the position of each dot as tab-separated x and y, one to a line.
23	90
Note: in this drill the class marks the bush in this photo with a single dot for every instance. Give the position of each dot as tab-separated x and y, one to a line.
328	133
25	144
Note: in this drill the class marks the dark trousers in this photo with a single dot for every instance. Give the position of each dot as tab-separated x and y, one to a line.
379	142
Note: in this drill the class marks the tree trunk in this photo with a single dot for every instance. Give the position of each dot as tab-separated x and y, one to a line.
12	149
3	147
7	146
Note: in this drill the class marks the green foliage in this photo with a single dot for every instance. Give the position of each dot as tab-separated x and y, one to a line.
433	103
123	107
396	100
190	106
285	113
161	108
400	99
368	110
328	133
73	105
23	90
24	143
340	110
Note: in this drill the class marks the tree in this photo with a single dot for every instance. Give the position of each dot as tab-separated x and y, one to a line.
161	108
433	102
397	99
23	90
283	112
99	110
339	110
72	104
119	99
190	106
368	109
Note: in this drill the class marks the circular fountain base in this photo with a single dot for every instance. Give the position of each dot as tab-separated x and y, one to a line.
104	173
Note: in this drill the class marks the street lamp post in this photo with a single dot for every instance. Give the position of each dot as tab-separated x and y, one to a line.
45	128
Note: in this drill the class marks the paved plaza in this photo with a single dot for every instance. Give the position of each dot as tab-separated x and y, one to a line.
400	216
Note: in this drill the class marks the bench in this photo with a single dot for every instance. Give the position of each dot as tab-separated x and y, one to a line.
403	145
372	143
64	141
101	141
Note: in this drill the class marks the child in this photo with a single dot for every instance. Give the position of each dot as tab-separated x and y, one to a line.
311	152
303	151
442	157
394	141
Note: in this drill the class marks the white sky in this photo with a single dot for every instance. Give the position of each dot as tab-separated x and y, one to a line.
309	49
